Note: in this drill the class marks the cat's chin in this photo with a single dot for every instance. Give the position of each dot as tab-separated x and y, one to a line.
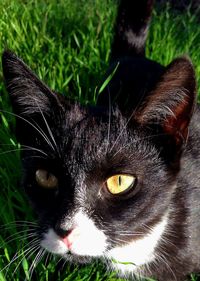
73	258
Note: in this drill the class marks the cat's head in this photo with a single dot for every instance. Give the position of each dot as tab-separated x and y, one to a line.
101	180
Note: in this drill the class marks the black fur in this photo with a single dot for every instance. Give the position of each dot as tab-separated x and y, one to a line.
146	123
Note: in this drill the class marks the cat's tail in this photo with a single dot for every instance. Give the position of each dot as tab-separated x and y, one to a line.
131	28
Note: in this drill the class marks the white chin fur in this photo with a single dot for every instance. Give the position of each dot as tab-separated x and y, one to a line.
130	257
90	240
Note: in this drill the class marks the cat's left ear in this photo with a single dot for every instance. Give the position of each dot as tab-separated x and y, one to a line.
28	94
171	104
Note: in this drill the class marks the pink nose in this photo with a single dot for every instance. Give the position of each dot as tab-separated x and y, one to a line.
71	238
67	242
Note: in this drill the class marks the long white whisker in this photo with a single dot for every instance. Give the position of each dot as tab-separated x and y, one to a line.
8	240
17	224
14	226
35	262
126	124
9	151
34	149
15	257
31	249
141	139
109	120
63	265
21	221
130	234
47	258
23	149
48	128
39	130
163	259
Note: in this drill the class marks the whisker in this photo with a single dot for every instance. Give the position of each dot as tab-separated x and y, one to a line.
140	139
8	240
126	124
48	128
35	156
47	259
35	262
14	226
23	149
109	120
22	221
31	249
162	259
37	128
26	233
15	257
63	265
8	144
35	149
9	151
19	223
131	234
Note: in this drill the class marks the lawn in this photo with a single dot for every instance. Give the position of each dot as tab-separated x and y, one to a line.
66	43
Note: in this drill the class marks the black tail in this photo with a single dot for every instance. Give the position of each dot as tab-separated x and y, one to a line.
131	28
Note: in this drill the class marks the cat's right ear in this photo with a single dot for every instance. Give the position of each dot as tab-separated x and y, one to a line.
169	108
28	94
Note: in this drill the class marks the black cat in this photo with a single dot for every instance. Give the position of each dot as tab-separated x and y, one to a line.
119	181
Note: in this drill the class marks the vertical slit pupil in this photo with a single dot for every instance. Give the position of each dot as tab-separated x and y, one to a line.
119	180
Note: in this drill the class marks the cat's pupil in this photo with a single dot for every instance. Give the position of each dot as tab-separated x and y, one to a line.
119	181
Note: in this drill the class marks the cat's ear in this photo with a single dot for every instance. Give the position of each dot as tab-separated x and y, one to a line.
171	104
28	94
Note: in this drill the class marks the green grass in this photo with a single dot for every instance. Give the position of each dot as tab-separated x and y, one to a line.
67	44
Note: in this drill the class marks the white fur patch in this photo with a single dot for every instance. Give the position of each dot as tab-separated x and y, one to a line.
88	240
91	241
52	243
139	252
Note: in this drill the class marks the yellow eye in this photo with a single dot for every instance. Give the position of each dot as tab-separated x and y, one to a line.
46	179
120	183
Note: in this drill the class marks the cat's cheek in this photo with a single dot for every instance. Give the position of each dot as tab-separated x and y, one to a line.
88	245
131	257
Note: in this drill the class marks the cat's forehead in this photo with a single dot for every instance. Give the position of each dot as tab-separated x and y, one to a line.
93	121
97	125
97	138
92	131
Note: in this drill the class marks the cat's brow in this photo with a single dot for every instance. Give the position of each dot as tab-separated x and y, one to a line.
48	127
127	122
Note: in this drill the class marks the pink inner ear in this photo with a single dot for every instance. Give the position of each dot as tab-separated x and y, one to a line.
177	124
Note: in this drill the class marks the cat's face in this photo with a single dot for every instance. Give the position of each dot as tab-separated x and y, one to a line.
100	182
80	216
